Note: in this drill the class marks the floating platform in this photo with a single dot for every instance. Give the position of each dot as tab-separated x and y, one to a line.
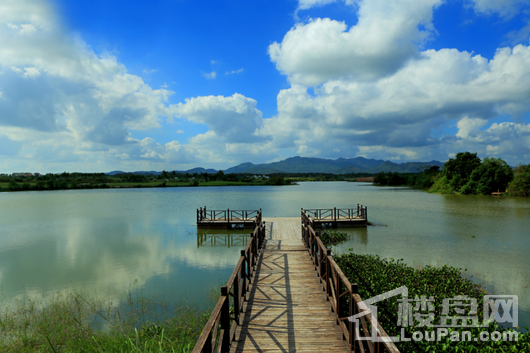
228	219
336	217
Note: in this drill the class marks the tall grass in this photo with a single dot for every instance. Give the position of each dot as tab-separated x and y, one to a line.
77	322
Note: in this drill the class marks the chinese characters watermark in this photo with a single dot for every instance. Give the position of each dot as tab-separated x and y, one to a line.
460	311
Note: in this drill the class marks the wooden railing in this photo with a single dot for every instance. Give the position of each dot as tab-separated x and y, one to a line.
343	297
337	214
219	331
228	215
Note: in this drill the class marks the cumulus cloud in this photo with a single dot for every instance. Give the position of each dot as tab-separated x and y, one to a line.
370	89
384	39
232	119
401	111
54	83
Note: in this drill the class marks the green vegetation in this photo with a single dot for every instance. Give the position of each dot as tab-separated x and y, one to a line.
325	176
332	238
465	174
520	186
375	276
422	180
64	181
77	323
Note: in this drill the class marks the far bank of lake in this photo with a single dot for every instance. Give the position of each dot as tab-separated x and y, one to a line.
114	240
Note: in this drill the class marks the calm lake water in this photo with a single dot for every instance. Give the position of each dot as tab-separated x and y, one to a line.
114	241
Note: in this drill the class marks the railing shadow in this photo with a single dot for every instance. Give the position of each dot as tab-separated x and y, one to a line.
344	299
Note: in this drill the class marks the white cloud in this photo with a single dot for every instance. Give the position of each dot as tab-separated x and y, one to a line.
468	128
54	83
210	75
234	72
505	8
28	72
399	113
369	90
149	71
307	4
23	28
232	119
384	39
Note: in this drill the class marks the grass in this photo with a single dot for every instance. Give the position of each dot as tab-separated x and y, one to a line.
375	275
332	238
79	323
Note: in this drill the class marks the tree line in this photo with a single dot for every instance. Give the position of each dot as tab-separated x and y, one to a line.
465	174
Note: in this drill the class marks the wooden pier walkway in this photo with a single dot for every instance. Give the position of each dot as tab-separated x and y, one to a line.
287	310
287	294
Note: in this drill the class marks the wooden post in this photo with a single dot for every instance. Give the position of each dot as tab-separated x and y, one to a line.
237	298
335	213
320	256
228	216
225	320
244	279
337	296
328	273
353	311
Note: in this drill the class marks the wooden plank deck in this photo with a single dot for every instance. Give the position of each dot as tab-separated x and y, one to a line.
287	310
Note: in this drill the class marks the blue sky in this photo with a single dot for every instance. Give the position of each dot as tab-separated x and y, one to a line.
135	85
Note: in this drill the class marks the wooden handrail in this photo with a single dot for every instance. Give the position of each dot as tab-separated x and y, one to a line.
219	331
335	214
228	215
340	291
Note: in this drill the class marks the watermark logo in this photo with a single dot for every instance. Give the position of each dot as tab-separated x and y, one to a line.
457	312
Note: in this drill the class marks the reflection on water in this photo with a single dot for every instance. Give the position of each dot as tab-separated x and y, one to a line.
222	237
112	241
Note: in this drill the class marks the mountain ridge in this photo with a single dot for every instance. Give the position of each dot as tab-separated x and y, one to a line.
299	164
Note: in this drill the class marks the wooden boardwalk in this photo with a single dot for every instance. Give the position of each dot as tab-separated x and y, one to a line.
286	308
287	293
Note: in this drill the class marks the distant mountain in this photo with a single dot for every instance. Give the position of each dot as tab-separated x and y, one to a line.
338	166
198	171
114	172
239	168
314	165
191	171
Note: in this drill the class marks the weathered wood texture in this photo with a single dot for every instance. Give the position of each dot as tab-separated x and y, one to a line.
287	310
283	228
337	217
364	333
287	299
228	219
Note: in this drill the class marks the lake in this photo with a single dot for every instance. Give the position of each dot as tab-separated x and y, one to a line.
115	241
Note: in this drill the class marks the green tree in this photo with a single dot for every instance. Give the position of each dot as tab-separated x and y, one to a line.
492	175
457	171
219	175
520	186
13	186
